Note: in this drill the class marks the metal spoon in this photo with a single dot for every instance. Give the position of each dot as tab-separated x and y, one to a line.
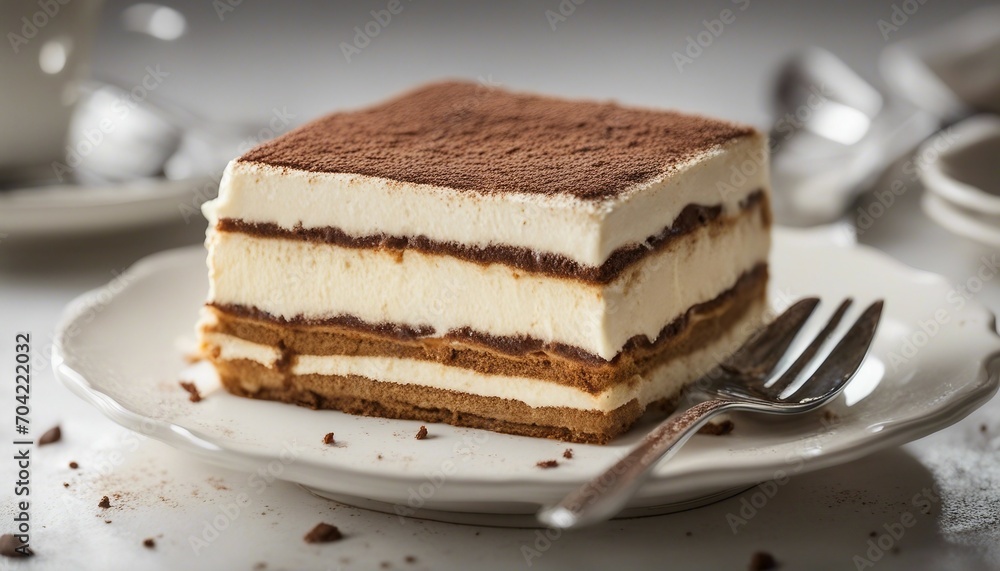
115	135
833	135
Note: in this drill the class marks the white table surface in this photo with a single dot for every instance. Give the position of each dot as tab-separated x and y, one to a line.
819	520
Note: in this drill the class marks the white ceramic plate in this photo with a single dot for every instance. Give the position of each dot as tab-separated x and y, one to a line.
74	209
934	360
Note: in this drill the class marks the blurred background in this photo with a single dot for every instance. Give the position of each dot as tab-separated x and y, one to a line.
183	86
236	63
119	116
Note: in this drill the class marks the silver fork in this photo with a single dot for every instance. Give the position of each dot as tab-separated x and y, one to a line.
740	382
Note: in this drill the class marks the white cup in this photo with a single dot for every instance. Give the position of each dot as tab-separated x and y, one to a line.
962	179
46	49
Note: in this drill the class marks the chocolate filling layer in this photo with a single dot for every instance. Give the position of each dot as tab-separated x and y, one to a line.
707	324
692	217
516	346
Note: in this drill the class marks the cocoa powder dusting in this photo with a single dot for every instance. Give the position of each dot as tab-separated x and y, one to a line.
472	138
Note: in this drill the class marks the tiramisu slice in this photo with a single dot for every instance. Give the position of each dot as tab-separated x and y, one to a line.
489	259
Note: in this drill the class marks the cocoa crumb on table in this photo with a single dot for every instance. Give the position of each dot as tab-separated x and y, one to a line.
11	546
323	533
193	394
51	435
762	561
546	464
422	433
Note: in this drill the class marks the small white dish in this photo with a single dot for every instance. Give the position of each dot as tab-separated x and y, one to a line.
932	363
962	179
67	209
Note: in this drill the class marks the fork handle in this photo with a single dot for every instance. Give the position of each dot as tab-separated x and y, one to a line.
603	497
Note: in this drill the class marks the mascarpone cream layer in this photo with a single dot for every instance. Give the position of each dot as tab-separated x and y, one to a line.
662	382
294	278
584	231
